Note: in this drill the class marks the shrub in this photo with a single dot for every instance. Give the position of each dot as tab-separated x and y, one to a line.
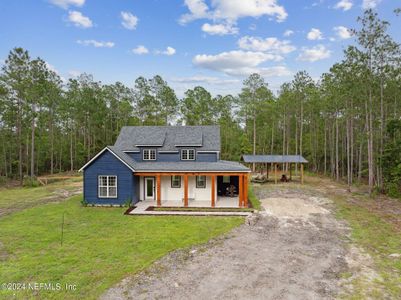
127	203
84	202
30	182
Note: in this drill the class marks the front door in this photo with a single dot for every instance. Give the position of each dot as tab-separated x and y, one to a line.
149	188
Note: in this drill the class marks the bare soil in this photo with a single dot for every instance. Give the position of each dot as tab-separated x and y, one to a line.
295	249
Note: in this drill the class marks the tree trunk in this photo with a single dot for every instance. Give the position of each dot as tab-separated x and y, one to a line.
33	144
325	147
336	143
254	140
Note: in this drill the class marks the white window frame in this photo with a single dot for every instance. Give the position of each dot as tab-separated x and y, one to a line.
187	151
149	151
197	185
107	186
179	183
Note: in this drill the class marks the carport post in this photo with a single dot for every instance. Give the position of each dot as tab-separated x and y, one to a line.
302	173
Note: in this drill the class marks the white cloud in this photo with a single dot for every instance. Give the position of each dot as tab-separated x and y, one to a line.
74	73
238	62
129	21
169	51
366	4
67	3
315	53
141	49
198	10
232	10
344	5
219	29
200	79
314	34
79	20
96	44
288	32
342	32
271	44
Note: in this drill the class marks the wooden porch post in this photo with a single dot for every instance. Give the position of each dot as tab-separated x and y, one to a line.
245	201
158	190
213	178
241	190
267	170
185	190
275	173
290	172
302	173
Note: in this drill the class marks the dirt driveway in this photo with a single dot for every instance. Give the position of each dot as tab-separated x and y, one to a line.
295	249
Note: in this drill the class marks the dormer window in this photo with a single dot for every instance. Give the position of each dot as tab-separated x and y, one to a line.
149	154
188	154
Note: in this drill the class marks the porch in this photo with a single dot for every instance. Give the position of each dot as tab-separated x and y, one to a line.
218	189
227	202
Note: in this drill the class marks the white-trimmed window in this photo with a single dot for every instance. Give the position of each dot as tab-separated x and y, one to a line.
187	154
200	182
107	186
149	154
175	181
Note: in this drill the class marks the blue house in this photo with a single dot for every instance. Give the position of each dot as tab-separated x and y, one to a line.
165	165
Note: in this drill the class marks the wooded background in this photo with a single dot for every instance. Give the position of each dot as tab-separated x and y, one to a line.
347	124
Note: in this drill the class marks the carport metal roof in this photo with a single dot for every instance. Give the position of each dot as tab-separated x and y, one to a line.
274	159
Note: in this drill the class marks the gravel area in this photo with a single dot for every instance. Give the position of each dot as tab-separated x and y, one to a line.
295	249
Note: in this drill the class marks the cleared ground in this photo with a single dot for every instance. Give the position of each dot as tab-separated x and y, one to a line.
296	249
19	198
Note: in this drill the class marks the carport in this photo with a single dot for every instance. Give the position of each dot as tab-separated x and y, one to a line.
275	161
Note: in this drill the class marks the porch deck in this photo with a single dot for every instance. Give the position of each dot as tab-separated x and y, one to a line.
225	202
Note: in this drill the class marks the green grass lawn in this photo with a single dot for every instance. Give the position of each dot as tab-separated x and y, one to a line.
253	199
101	245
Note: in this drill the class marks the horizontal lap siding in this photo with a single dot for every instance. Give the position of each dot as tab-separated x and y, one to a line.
206	157
175	157
108	164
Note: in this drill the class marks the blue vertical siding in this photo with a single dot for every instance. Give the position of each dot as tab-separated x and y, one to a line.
108	164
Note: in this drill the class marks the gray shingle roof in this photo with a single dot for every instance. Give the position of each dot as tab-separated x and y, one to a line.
205	138
274	159
182	166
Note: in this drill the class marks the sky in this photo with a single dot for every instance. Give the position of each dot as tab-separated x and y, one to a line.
215	44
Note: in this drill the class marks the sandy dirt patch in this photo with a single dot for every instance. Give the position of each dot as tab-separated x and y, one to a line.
294	250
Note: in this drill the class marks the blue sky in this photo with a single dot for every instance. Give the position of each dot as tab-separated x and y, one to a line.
188	42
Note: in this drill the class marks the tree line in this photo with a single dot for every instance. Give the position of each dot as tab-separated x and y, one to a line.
347	124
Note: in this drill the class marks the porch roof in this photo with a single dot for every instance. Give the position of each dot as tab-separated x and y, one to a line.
219	166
